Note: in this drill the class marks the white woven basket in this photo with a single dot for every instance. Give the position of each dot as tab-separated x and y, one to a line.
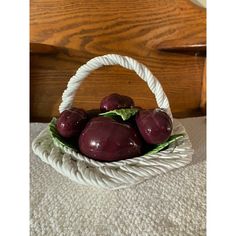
119	174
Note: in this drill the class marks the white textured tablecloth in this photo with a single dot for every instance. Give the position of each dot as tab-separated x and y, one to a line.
170	204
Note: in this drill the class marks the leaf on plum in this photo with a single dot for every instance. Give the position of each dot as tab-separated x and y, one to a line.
124	113
161	146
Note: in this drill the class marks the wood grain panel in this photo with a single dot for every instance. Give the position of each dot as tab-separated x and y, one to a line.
65	34
178	74
125	27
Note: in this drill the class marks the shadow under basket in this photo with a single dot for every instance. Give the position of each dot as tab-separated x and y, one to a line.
118	174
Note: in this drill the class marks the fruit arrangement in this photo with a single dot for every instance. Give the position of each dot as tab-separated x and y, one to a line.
116	131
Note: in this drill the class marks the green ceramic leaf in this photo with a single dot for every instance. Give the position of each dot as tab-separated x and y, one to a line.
124	113
161	146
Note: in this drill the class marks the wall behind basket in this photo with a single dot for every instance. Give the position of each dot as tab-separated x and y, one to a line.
169	37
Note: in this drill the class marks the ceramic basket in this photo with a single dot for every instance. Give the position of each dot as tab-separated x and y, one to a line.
119	174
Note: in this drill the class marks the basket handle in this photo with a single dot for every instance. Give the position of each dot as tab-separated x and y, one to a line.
113	59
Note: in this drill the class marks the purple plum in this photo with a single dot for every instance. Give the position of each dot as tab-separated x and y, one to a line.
105	139
116	101
155	125
71	122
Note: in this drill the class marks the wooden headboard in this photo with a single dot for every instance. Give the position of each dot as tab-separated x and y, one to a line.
168	36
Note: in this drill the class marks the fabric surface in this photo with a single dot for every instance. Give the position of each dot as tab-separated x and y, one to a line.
169	204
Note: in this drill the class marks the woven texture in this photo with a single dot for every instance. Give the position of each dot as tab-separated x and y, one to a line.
170	204
113	175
